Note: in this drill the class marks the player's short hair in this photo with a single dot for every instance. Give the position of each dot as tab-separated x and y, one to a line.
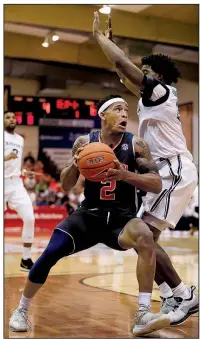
163	65
107	98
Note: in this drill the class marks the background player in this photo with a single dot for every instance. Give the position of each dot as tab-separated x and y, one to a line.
107	215
160	126
16	195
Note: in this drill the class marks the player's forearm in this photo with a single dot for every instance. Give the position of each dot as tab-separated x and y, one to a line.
69	177
7	158
117	57
132	88
149	182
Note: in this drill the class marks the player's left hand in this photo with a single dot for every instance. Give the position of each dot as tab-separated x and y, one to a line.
96	24
117	173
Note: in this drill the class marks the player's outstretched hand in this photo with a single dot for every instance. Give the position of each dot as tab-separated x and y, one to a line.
96	24
117	173
108	32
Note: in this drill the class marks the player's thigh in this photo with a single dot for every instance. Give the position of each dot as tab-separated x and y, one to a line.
135	233
19	196
79	227
128	235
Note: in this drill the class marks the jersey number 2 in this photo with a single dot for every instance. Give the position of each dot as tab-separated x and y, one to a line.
105	192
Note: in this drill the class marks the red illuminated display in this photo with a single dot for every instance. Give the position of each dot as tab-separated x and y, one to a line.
64	104
29	110
47	107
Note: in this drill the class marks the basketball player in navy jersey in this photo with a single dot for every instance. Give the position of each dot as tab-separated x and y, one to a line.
107	215
160	126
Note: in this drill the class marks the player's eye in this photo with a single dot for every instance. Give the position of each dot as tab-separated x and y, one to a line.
118	109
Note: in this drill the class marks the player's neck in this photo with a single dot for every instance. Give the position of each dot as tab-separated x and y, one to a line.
10	132
110	139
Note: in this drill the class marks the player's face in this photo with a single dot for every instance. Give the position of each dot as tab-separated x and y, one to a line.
10	121
116	117
147	70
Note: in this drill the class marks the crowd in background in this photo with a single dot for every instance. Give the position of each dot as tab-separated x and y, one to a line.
45	190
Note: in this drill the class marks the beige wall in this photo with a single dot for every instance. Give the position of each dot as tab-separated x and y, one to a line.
188	92
30	135
20	86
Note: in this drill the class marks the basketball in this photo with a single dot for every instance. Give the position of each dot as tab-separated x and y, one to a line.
94	161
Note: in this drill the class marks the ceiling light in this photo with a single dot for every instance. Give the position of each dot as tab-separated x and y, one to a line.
106	9
45	44
55	37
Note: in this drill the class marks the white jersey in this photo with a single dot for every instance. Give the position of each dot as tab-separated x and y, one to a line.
13	143
159	122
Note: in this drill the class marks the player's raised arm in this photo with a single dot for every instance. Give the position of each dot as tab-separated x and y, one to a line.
70	174
117	57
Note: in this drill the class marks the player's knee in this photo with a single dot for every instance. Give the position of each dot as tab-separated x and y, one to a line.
141	235
60	245
28	218
145	242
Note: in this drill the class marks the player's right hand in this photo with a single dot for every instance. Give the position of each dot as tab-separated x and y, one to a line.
12	155
108	32
76	156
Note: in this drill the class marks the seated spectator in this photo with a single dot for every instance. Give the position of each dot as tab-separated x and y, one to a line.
39	167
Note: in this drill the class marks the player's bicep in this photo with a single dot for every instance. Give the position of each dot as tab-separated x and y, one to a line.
154	92
143	158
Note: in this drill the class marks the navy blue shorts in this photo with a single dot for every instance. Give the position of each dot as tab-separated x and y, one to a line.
90	227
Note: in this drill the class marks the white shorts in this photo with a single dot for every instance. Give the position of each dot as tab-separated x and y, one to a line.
15	194
179	180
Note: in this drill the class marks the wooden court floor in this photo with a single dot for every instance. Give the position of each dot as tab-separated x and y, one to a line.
93	293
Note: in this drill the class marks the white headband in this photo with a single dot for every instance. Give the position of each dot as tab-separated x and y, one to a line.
108	103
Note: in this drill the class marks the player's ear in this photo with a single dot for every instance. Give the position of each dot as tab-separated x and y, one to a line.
102	115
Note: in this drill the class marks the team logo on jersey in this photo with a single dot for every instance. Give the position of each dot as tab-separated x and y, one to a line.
124	147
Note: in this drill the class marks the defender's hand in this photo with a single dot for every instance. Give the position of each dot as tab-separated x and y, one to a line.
96	24
108	32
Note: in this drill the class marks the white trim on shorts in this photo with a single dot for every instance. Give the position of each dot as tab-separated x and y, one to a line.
167	192
70	236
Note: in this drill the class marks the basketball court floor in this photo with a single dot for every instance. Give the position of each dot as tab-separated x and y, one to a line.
93	293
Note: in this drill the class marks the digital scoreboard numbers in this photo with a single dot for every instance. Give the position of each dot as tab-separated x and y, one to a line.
29	110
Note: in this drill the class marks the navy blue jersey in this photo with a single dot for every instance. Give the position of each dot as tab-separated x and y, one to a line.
112	194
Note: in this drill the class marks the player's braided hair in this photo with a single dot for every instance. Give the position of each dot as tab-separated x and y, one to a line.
102	101
163	65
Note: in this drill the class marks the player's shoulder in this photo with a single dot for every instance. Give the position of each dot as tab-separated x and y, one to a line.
79	142
139	144
82	139
19	137
128	135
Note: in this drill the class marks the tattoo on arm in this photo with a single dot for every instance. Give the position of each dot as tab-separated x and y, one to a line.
144	161
83	139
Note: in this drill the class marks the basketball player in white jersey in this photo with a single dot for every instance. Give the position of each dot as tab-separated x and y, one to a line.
160	126
16	195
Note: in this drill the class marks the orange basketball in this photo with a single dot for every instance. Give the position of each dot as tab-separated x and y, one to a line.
94	161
